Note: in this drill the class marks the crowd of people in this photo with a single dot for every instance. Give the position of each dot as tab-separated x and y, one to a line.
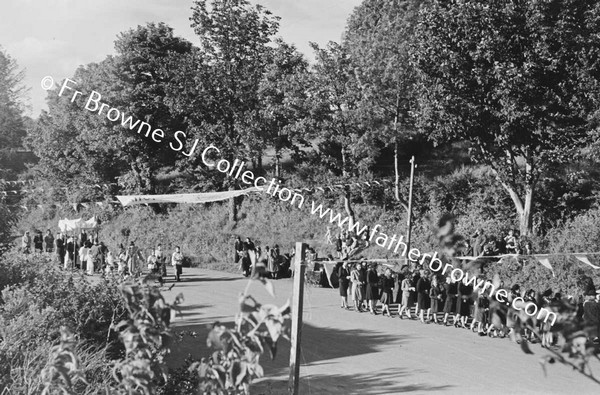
249	256
434	298
493	245
87	253
419	293
431	298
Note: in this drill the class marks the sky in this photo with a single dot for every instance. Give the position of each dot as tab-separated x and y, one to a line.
54	37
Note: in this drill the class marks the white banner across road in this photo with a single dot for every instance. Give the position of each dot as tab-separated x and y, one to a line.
206	197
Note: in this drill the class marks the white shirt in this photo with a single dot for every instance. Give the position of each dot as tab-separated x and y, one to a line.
176	258
83	253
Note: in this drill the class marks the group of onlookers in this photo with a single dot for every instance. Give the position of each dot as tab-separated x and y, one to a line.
348	243
90	255
440	299
40	242
491	245
249	256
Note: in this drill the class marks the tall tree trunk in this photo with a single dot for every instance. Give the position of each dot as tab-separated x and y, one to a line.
259	163
523	208
525	217
347	193
348	207
233	210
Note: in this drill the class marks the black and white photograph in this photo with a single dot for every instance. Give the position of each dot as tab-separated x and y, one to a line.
277	197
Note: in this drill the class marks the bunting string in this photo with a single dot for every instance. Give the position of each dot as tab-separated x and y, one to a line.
543	259
74	206
358	185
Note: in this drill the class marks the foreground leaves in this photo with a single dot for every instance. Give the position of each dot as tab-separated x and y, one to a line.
236	361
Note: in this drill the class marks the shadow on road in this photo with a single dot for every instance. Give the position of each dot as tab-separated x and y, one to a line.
388	381
320	346
208	279
191	310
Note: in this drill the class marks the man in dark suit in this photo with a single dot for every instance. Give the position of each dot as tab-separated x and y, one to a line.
59	243
38	241
239	246
49	241
591	315
479	242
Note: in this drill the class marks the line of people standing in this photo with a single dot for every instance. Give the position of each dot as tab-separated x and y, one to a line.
432	295
92	256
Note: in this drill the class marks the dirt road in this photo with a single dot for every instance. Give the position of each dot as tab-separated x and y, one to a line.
344	352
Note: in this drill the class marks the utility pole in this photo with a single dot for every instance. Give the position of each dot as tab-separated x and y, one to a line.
297	306
410	195
396	169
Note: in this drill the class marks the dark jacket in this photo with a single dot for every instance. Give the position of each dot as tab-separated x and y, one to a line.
423	286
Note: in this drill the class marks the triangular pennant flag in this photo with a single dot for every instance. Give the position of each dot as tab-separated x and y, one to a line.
329	267
546	263
75	205
585	260
85	205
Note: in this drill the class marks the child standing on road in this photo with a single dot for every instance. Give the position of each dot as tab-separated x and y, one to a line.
177	262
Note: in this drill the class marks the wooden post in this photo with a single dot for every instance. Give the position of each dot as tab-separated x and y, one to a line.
297	305
410	193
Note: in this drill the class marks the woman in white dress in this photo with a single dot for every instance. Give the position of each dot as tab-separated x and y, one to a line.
122	259
83	255
90	261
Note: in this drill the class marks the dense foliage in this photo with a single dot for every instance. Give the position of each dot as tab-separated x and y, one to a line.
515	78
60	332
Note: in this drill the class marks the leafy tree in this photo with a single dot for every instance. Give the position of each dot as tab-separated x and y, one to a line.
12	127
217	89
511	77
73	145
339	117
284	107
234	44
146	63
377	38
336	106
81	147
